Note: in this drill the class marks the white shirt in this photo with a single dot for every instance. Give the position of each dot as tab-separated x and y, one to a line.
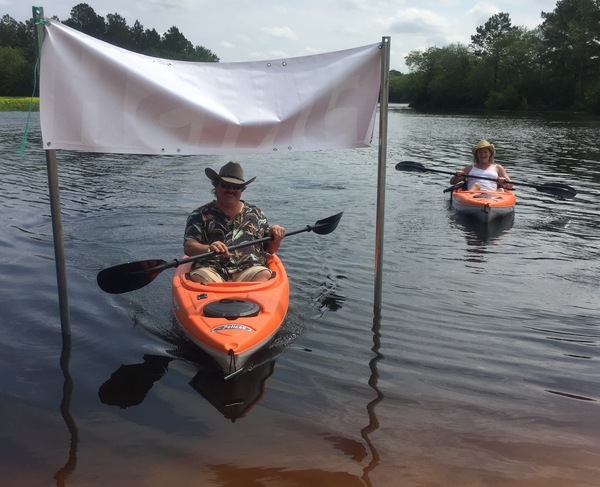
484	184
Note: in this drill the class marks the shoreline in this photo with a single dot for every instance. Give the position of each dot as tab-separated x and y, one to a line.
19	104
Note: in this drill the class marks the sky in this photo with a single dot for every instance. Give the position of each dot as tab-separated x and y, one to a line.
253	30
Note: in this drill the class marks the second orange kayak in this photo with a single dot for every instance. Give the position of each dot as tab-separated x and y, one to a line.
484	205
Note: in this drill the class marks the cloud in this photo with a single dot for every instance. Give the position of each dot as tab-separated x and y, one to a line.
264	55
227	45
356	4
280	33
482	12
174	4
414	21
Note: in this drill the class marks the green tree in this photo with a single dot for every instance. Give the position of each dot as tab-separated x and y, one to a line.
592	97
478	82
17	57
151	43
16	75
14	34
84	19
117	32
137	34
420	69
447	88
522	74
491	40
18	49
399	91
571	35
439	78
175	43
172	44
205	55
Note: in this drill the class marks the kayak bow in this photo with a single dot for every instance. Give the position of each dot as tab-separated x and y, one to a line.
484	205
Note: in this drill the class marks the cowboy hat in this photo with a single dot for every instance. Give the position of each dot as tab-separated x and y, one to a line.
231	173
483	144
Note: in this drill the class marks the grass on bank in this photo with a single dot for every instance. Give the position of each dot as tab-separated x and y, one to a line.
19	103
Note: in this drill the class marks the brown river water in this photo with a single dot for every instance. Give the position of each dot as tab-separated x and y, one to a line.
482	370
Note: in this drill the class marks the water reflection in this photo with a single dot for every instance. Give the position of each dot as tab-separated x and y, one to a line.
558	224
232	397
228	475
487	375
65	409
129	384
329	298
373	424
349	447
236	396
480	233
571	396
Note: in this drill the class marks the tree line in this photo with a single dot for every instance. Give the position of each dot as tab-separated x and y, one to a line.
18	51
555	66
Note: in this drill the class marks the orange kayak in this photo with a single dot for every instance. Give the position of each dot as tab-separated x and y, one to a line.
484	205
232	320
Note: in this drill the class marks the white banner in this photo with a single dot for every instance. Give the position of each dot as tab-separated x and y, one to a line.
100	98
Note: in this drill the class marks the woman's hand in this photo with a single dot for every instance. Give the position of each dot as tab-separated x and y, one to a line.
504	182
458	176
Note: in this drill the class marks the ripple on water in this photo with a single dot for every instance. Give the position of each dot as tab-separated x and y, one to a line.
486	343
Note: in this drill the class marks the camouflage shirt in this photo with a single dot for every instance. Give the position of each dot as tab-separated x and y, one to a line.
209	224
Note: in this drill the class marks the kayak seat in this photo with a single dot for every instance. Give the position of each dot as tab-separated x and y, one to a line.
188	276
231	309
487	196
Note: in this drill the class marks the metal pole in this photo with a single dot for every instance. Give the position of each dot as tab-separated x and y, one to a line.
383	123
59	251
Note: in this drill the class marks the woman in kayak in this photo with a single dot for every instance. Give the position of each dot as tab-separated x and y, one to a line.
484	166
225	222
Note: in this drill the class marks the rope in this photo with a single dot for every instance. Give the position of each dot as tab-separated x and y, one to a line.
35	70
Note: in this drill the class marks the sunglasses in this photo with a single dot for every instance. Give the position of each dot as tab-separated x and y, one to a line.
236	187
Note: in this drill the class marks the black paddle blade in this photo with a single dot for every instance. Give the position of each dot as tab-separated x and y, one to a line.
327	225
454	187
411	166
123	278
557	189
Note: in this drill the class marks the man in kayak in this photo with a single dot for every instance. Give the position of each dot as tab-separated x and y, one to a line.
483	165
227	221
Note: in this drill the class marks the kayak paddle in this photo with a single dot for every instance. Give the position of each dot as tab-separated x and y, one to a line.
123	278
557	189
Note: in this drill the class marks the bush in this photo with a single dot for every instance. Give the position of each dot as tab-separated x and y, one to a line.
16	76
507	99
592	98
